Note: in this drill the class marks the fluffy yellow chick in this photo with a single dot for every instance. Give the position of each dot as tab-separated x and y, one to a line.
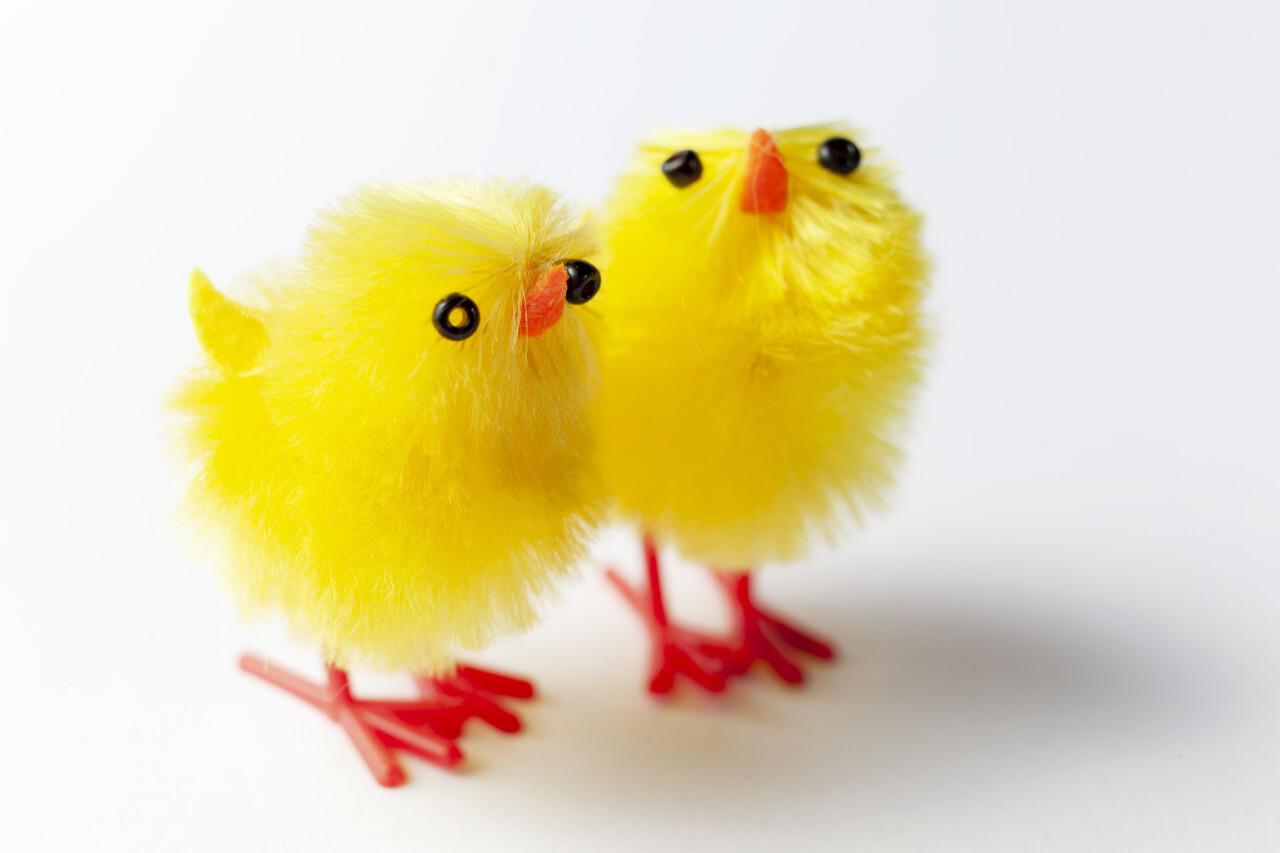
771	285
397	452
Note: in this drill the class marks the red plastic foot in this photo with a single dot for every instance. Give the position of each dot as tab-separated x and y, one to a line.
375	727
466	694
762	635
676	650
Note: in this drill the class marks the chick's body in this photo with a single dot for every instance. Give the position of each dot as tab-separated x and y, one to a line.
752	395
397	494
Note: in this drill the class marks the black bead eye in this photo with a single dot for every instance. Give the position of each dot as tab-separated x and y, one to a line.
682	168
583	282
456	317
839	155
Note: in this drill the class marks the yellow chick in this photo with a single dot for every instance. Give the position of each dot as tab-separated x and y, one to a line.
397	451
771	285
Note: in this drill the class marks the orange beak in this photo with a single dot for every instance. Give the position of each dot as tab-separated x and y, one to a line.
544	305
765	190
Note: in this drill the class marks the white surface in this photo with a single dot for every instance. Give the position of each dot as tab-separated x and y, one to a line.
1063	638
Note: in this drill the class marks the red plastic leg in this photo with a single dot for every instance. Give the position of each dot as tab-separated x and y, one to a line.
761	635
676	650
375	727
468	693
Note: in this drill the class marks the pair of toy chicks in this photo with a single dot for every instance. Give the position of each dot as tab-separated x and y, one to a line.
411	441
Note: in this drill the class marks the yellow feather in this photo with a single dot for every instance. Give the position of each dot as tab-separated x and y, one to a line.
757	368
398	495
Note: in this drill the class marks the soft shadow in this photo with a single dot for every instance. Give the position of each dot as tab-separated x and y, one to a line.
931	693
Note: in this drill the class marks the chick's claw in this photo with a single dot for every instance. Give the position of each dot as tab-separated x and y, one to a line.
468	693
762	635
376	728
676	651
495	682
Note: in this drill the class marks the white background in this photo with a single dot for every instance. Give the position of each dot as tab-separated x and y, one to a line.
1064	635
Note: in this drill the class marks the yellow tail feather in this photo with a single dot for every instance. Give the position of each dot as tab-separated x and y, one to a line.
231	334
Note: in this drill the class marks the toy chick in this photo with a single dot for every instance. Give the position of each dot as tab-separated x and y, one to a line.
396	452
771	285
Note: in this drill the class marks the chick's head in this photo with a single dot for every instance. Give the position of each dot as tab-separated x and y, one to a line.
428	329
796	236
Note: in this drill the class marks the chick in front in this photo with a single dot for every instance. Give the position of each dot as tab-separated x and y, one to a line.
396	450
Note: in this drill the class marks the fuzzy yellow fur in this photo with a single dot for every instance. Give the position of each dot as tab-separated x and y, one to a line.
756	368
399	496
